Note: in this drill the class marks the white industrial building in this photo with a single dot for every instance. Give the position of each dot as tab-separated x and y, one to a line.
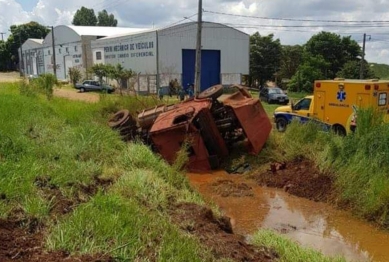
72	45
32	57
170	54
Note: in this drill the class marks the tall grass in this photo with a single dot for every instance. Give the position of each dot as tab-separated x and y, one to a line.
359	162
68	144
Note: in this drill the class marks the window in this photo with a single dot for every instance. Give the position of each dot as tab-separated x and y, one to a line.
67	49
303	104
48	52
75	48
59	50
382	99
98	55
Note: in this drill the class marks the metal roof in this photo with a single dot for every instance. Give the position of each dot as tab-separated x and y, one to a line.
103	30
38	41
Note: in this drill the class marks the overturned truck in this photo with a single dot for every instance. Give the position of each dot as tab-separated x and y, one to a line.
209	124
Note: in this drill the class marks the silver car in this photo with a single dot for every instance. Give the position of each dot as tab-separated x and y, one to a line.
92	85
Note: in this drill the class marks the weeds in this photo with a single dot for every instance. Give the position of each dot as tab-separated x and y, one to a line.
359	162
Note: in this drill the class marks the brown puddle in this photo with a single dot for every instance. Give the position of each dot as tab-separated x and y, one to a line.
310	223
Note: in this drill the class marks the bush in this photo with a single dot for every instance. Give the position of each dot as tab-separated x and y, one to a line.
75	75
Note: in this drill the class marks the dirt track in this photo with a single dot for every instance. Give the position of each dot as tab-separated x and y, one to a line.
75	95
9	77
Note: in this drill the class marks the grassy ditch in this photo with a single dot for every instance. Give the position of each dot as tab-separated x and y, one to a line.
67	176
53	152
358	163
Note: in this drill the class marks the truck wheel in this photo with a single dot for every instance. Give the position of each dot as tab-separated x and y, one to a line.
120	118
281	124
339	130
82	90
213	92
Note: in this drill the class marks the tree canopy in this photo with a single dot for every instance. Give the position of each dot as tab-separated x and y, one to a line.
9	56
265	56
104	19
87	17
326	56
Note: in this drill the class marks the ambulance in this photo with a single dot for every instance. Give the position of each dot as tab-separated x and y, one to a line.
334	104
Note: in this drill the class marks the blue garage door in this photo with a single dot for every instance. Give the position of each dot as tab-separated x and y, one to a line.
210	67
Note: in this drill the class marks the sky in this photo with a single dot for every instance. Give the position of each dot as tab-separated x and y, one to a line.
292	22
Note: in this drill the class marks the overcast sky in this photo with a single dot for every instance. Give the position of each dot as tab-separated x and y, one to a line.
293	22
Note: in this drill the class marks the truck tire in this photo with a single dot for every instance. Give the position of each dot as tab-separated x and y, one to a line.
212	92
281	124
119	118
82	90
339	130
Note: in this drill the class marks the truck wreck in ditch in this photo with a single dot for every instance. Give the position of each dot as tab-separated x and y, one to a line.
210	124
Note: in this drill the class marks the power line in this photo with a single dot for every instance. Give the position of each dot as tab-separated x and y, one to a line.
298	20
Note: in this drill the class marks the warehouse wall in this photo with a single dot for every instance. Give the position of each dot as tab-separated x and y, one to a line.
233	45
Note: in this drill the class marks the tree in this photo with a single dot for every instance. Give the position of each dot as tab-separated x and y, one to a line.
121	75
19	34
101	71
334	49
106	20
265	56
85	17
351	70
291	58
307	73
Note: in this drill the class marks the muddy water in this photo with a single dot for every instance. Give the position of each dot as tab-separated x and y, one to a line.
312	224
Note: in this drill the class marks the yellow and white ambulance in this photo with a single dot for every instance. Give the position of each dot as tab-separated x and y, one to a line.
334	104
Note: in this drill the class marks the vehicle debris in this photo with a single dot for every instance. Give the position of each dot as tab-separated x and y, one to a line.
210	123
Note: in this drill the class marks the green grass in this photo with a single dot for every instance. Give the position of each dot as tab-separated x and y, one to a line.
288	250
68	144
358	162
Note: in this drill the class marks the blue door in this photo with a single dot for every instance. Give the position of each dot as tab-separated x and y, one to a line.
210	67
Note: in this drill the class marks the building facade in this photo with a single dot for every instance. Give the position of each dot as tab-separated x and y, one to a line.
158	56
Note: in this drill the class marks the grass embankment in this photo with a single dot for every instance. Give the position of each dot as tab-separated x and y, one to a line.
359	163
67	145
62	169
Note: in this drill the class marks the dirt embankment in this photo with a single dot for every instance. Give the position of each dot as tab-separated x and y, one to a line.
300	178
217	235
22	239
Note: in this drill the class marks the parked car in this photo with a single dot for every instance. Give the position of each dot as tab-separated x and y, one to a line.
92	85
273	95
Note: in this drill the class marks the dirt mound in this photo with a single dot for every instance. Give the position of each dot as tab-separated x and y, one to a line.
300	178
216	234
18	244
227	188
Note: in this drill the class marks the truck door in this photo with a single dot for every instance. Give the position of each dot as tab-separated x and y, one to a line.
320	105
362	100
302	109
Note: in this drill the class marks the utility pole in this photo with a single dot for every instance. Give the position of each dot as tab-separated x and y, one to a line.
53	44
363	57
2	37
21	65
361	76
197	83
